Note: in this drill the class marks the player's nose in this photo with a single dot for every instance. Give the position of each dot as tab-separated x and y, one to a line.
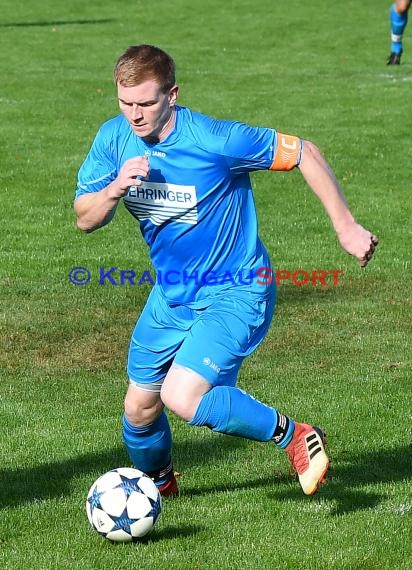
136	112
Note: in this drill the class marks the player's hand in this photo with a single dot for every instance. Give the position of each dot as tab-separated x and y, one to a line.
131	174
358	242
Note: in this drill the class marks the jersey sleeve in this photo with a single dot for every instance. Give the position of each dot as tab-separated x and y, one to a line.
98	169
250	148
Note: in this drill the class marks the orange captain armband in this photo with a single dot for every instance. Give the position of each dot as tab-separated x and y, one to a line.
287	154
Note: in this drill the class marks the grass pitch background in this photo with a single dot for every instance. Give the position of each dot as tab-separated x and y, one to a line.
340	356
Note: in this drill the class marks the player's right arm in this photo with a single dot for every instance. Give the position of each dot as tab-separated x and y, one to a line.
96	209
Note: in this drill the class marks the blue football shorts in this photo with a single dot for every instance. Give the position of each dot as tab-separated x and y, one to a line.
211	341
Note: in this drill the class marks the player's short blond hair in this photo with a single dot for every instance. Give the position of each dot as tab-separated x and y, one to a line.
142	63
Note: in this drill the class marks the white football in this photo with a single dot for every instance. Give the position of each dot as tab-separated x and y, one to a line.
123	505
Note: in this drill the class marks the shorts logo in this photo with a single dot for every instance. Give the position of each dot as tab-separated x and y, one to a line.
211	364
160	202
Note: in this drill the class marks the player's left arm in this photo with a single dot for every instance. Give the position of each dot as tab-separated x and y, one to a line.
355	239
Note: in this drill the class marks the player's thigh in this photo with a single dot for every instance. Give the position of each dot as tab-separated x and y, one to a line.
225	334
182	391
158	334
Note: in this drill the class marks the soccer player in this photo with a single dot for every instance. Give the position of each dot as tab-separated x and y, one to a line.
398	19
184	176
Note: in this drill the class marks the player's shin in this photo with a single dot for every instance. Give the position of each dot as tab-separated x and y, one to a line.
149	448
398	24
232	411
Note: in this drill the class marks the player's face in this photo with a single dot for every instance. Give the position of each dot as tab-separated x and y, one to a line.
148	110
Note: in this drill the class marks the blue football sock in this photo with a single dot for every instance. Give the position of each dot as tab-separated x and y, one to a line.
232	411
398	24
149	447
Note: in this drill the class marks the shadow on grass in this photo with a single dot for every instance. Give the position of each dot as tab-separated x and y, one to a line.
370	469
50	480
28	484
55	23
171	533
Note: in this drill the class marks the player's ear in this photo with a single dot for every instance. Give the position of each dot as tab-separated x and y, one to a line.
173	93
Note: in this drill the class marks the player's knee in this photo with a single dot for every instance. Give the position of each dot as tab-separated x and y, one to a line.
141	407
402	6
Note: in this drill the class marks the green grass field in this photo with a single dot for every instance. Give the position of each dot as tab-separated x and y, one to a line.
340	356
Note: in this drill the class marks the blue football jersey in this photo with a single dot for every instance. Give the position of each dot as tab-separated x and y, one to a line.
196	209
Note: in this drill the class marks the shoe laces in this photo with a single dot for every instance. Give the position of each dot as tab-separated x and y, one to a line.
298	454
